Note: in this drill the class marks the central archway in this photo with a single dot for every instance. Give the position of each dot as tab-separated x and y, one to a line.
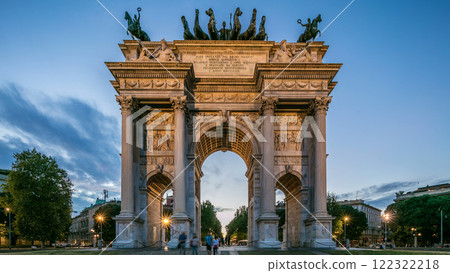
239	140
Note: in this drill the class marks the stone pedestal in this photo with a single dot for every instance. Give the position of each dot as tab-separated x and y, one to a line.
179	224
129	235
318	229
268	231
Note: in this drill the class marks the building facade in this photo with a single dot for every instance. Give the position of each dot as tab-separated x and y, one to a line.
82	228
374	233
441	189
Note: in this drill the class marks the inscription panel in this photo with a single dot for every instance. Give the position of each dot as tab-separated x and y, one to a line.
224	63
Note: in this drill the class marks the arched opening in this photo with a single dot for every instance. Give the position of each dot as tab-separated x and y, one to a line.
224	185
157	186
289	186
227	139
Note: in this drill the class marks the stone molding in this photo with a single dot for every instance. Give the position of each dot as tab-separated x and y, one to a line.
178	103
320	104
268	104
127	103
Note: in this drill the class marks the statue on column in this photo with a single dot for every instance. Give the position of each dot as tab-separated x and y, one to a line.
164	54
134	26
311	29
282	54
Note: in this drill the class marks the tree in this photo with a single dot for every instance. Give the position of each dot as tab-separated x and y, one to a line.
356	224
39	194
108	224
209	220
422	213
237	228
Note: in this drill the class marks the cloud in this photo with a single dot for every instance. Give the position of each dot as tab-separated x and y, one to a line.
84	141
220	209
382	195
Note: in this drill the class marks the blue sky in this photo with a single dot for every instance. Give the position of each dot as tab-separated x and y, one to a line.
388	127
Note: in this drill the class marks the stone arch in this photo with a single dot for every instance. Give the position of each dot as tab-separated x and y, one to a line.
222	143
208	145
156	185
290	183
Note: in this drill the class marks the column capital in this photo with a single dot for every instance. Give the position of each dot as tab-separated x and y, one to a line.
319	104
178	103
268	104
127	103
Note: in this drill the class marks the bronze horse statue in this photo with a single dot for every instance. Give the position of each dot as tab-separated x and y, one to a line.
134	27
199	33
261	35
251	30
213	33
311	30
187	35
236	26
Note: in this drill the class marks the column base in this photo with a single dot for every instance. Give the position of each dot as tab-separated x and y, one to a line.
268	231
128	232
180	223
319	231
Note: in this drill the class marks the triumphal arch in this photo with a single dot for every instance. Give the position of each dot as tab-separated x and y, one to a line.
184	100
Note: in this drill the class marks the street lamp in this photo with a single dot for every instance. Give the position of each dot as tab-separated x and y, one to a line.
345	230
386	219
9	216
100	244
415	237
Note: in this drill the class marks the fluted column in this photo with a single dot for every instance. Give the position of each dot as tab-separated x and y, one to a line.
127	190
320	108
268	185
179	104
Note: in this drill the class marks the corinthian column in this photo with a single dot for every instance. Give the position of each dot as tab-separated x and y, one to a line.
179	104
127	205
268	109
320	108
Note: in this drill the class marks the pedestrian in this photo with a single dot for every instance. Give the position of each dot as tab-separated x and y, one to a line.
208	241
194	244
215	245
182	243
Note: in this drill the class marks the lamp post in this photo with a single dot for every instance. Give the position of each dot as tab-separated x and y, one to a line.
9	218
100	243
415	237
345	231
386	219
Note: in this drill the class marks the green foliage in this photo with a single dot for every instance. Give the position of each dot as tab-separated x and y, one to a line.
39	195
356	224
237	228
422	213
108	212
209	220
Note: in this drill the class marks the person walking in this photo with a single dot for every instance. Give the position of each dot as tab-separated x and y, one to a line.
182	243
208	241
215	245
194	244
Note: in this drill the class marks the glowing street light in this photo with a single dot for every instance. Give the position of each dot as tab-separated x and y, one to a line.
100	244
9	216
386	217
346	218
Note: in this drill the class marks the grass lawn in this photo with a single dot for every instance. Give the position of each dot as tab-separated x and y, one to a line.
58	251
276	252
385	252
